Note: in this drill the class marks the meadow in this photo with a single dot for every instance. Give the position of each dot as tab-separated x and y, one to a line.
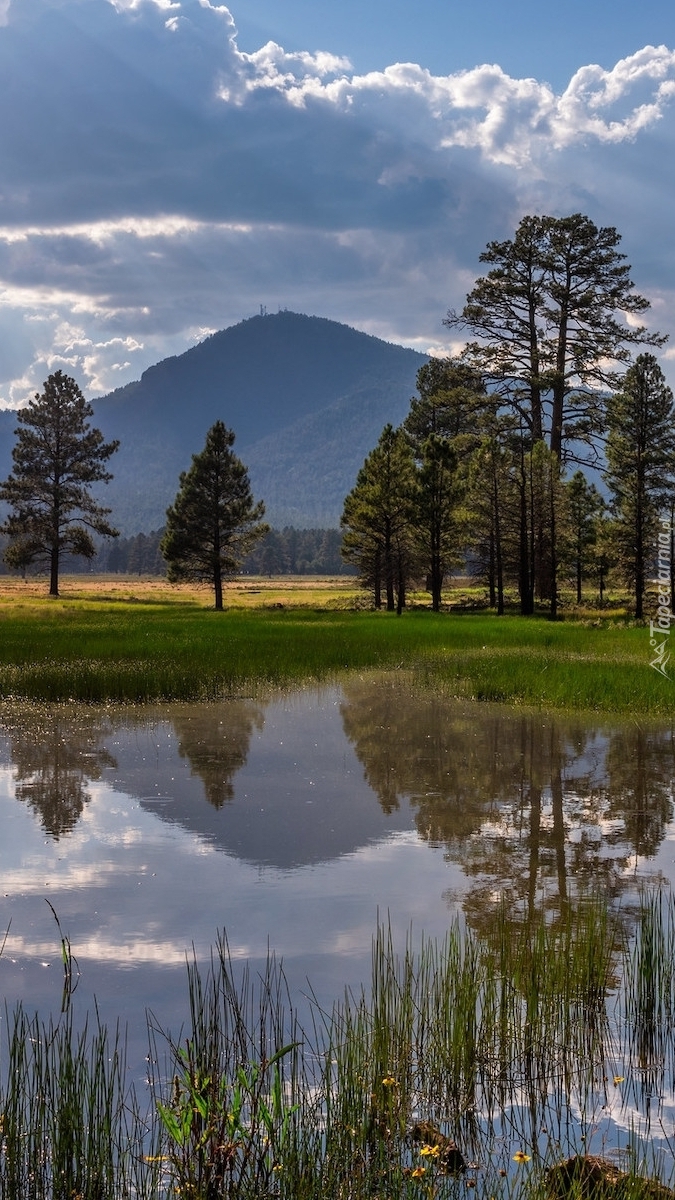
133	640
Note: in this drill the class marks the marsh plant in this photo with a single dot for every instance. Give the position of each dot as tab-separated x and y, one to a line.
467	1065
236	1085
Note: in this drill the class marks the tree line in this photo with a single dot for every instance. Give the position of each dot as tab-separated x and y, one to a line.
287	551
481	474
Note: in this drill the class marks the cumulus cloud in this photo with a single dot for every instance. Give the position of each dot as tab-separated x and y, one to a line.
509	120
156	181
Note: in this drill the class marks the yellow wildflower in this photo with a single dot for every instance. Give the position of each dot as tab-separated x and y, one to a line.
418	1172
430	1151
521	1157
389	1081
618	1079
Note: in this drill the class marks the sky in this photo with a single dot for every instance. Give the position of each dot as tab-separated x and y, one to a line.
169	167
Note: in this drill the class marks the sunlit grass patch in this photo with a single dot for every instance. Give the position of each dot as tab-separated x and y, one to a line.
169	645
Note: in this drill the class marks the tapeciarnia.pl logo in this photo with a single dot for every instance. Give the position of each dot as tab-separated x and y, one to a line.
660	627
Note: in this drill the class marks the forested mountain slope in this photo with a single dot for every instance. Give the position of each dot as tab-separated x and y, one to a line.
306	397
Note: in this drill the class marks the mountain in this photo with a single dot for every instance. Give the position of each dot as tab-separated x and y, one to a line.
307	399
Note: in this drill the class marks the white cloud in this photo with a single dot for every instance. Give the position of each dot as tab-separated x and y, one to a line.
134	5
274	67
175	183
509	120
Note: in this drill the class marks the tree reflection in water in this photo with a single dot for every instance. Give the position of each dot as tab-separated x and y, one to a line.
215	741
57	752
535	808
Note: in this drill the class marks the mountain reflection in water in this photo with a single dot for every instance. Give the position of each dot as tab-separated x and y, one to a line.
295	821
532	807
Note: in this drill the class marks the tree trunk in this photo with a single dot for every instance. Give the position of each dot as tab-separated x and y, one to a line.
559	385
389	567
498	549
639	591
552	472
535	387
400	594
492	570
436	584
54	572
377	582
524	573
218	588
639	561
436	565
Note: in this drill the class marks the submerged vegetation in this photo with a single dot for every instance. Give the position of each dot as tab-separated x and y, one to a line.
146	644
470	1064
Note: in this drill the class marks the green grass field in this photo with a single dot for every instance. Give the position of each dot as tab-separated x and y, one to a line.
139	642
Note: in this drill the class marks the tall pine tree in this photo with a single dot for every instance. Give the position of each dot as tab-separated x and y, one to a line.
551	335
377	519
214	520
57	457
640	467
441	427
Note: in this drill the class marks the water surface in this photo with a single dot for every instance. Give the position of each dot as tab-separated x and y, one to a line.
294	823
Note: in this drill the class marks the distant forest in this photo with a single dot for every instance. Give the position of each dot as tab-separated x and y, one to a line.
287	551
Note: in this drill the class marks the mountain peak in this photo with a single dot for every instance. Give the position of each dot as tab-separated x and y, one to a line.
306	397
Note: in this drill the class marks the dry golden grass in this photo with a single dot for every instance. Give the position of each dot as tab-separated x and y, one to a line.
245	592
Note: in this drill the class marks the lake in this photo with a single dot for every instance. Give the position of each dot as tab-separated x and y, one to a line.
296	822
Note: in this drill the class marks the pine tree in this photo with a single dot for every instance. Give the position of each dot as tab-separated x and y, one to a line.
377	518
640	467
214	520
441	427
550	338
583	506
546	319
57	457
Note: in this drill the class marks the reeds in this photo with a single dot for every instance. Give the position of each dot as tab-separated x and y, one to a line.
68	1126
466	1064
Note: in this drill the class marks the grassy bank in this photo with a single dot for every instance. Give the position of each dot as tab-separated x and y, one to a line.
141	643
464	1065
